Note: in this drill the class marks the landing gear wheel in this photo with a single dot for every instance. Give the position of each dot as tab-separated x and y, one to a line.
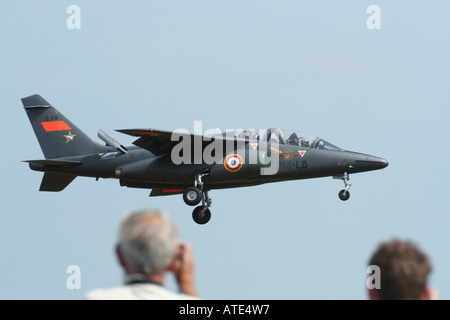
344	195
192	196
201	215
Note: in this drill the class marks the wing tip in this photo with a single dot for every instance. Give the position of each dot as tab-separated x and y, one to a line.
139	132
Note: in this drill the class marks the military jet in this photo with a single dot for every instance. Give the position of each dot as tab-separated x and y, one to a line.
179	162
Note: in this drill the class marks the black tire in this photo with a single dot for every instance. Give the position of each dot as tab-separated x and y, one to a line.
201	216
344	195
192	196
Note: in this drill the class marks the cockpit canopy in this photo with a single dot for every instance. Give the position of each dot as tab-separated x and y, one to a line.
287	137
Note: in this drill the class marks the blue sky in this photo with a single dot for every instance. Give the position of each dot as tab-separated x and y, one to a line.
315	67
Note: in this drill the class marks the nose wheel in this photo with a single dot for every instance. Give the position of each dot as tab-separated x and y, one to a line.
344	194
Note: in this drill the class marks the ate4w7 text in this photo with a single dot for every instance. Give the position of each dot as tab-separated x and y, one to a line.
228	309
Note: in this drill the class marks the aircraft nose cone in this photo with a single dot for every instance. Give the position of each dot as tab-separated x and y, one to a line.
372	162
364	162
383	163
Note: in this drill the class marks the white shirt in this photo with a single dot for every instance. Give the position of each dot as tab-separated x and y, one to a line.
138	291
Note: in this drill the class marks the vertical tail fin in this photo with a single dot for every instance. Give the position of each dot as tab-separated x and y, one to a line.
57	135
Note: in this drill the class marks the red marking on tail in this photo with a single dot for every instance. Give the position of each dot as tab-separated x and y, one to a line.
55	126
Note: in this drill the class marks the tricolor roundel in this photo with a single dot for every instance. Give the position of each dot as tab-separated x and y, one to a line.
233	162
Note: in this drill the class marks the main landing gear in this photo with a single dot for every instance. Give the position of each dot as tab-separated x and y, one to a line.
344	194
196	194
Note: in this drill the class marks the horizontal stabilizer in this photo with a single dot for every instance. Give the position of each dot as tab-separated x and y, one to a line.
55	163
55	181
165	192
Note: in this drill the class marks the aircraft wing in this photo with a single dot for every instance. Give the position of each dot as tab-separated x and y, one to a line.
156	141
160	142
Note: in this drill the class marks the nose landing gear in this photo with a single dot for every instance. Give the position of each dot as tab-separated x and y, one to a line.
344	194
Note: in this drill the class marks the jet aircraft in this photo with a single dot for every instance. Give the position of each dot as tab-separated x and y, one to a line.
172	163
